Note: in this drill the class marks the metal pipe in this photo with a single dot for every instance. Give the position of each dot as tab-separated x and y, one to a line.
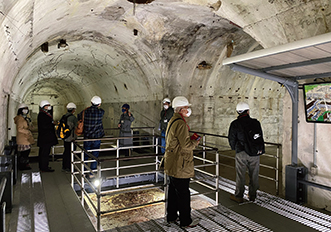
315	185
315	145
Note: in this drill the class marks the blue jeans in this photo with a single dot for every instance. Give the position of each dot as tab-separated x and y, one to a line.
163	142
90	145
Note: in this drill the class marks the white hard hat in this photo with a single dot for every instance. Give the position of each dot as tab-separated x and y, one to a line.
96	100
22	105
180	101
241	107
166	100
43	103
71	105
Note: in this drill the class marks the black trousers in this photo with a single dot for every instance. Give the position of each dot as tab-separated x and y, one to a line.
179	200
24	158
44	157
66	161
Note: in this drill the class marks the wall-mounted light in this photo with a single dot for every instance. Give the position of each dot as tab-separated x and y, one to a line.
62	44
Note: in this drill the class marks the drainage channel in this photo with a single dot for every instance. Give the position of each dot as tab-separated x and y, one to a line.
298	213
217	218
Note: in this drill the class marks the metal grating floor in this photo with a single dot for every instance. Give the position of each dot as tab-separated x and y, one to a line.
306	216
32	214
217	218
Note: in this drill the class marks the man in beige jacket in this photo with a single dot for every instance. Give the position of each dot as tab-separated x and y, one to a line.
179	164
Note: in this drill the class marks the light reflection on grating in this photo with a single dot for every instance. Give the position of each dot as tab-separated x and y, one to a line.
32	210
217	218
298	213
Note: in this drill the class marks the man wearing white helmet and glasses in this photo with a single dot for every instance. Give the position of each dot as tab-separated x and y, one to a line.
246	138
93	128
46	135
72	123
179	164
165	116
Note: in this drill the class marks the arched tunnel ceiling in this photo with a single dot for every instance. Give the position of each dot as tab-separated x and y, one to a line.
103	50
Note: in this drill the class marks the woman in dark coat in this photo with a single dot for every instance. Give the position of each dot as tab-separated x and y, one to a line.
46	135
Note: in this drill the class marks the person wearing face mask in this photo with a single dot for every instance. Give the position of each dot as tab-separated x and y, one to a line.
165	116
72	123
179	164
46	135
125	128
24	137
93	129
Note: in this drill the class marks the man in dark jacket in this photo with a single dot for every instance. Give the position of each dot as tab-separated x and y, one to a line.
46	135
93	128
246	138
165	116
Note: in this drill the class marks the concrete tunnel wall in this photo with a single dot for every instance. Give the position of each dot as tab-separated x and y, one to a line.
105	58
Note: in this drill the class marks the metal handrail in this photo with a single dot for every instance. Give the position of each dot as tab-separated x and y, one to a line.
3	205
277	157
78	165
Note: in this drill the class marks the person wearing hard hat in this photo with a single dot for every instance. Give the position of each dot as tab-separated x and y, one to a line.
124	125
93	128
24	137
179	164
246	138
46	135
72	122
165	116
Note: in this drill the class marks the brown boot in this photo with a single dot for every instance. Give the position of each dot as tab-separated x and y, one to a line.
236	199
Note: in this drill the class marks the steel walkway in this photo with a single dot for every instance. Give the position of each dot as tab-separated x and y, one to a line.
46	202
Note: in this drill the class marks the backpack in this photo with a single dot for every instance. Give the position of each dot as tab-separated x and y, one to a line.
62	129
254	143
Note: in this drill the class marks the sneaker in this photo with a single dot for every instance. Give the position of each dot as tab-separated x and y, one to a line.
194	223
251	198
236	199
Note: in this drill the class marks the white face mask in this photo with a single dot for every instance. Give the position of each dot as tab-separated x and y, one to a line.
189	112
49	107
25	111
165	107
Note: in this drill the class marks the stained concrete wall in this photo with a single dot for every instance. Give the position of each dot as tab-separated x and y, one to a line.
104	57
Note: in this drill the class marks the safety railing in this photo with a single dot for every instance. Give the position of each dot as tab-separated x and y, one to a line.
3	206
223	148
113	165
133	130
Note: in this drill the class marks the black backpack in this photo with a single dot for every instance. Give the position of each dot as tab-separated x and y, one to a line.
62	129
254	143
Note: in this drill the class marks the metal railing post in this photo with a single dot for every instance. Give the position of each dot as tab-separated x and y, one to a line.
82	176
204	147
277	171
99	197
72	164
156	160
117	163
217	158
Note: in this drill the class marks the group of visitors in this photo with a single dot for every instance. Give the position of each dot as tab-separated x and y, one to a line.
92	126
245	137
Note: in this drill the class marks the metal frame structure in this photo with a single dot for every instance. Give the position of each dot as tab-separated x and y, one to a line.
287	64
79	167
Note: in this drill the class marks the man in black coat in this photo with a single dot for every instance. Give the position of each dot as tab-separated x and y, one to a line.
46	135
246	138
